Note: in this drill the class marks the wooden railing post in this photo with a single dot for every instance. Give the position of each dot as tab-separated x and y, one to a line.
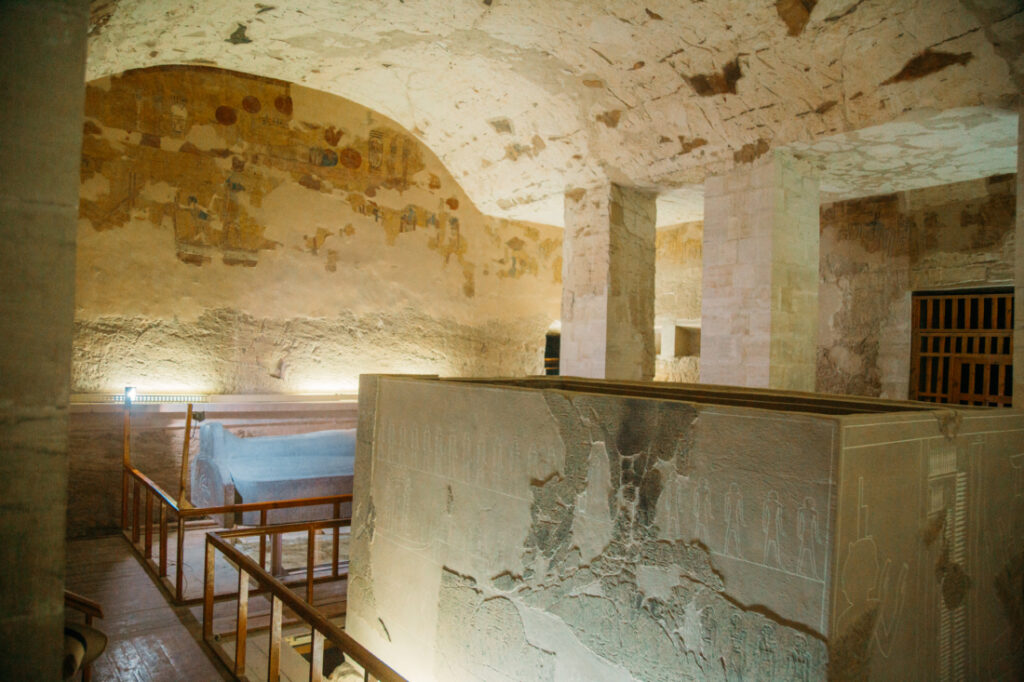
208	585
316	656
263	539
242	621
277	554
179	570
163	539
148	552
310	562
183	488
337	539
124	498
274	652
126	462
135	511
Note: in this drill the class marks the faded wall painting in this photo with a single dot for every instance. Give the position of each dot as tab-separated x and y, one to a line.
264	237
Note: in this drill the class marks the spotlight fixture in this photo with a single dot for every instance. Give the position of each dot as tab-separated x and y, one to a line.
129	395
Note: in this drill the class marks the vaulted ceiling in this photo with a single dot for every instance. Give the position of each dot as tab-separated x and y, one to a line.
523	99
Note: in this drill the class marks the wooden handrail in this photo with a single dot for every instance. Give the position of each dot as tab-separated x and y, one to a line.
153	487
280	594
284	528
274	504
239	507
82	604
135	482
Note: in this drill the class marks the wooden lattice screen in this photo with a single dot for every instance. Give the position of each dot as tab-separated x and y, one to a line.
962	348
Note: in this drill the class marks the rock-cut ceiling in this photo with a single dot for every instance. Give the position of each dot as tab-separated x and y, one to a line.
523	99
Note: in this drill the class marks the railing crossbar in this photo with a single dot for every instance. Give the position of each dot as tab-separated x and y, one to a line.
282	596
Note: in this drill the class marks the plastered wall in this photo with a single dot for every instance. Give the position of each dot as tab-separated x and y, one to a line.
876	251
239	234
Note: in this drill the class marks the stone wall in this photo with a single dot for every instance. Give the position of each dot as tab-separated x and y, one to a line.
677	297
876	251
239	234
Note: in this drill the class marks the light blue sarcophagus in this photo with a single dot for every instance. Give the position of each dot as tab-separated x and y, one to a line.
230	470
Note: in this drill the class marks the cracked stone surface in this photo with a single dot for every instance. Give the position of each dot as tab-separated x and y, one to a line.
522	100
573	550
552	529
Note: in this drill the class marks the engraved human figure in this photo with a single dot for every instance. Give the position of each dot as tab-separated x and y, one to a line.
866	587
766	646
702	510
735	669
733	519
807	531
708	631
800	661
771	524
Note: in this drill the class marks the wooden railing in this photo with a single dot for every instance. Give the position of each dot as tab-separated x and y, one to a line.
140	532
90	610
137	524
280	596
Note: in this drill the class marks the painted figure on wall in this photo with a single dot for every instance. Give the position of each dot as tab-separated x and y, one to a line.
375	149
407	221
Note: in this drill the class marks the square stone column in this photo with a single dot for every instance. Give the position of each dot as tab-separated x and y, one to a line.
42	78
608	284
1018	272
759	312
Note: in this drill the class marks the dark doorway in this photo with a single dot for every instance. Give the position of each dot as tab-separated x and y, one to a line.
552	346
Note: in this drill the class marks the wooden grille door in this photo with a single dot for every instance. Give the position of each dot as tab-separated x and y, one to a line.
962	348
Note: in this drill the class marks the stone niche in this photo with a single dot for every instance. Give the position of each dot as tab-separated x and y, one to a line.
566	529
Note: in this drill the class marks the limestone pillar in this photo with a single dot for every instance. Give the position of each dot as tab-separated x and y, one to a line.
759	312
1018	271
608	284
42	78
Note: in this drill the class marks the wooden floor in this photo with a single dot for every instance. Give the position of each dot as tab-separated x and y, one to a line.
149	639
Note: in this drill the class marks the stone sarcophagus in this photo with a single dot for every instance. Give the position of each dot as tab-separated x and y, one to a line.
230	469
567	529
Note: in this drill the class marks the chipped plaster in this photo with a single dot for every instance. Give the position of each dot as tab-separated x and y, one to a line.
445	70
